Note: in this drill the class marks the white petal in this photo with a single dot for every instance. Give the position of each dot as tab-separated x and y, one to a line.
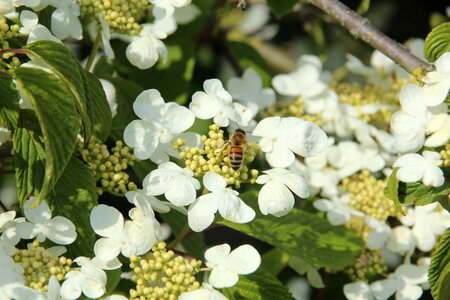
296	183
286	85
358	291
221	277
435	94
233	209
214	182
142	52
182	192
310	139
409	292
244	260
201	212
202	294
280	156
267	127
204	106
92	288
412	274
411	167
383	289
60	23
433	176
71	287
37	215
107	221
217	254
158	181
411	100
107	249
275	198
323	205
26	230
178	118
61	231
143	136
150	106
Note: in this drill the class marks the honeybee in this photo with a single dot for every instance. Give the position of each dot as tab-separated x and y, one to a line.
236	145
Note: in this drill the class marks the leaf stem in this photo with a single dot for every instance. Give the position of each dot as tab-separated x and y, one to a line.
94	51
180	236
361	28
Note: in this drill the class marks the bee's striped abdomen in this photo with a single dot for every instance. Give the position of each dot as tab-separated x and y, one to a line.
236	155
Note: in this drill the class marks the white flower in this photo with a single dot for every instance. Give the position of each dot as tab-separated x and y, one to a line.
225	200
377	238
178	185
337	209
35	31
306	81
205	293
5	135
159	123
249	90
401	240
136	197
410	125
145	49
65	21
437	83
226	266
186	14
282	137
404	283
415	167
165	8
8	225
90	280
118	236
359	290
58	229
110	92
7	6
299	288
275	197
427	223
215	102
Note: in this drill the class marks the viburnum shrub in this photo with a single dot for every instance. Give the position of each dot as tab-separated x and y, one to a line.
178	149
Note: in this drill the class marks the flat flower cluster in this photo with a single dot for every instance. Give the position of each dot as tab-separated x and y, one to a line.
309	138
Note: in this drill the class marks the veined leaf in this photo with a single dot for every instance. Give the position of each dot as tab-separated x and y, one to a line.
58	119
9	104
98	108
29	156
65	65
303	234
437	42
275	260
439	272
260	285
391	190
73	197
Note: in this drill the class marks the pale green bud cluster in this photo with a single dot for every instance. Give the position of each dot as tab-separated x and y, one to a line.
359	95
367	195
7	32
109	168
445	153
369	265
39	265
214	157
122	16
164	275
294	109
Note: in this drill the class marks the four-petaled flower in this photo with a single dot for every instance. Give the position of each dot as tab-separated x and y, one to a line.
415	167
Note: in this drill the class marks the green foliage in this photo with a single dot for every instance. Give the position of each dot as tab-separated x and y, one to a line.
98	108
260	285
363	7
437	42
280	8
9	104
65	65
58	119
113	280
415	193
29	156
439	272
304	235
275	260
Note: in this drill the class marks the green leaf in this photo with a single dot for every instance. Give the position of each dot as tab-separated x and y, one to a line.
391	190
260	285
98	108
275	261
303	234
439	271
363	7
73	197
9	104
58	119
29	156
66	66
437	42
281	7
421	194
112	281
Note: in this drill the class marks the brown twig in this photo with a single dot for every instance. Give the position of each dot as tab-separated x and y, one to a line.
361	28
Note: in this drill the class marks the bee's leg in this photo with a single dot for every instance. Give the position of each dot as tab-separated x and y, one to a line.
222	147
